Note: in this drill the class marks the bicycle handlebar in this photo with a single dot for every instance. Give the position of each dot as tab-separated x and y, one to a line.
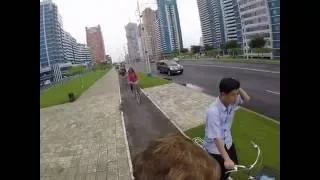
242	167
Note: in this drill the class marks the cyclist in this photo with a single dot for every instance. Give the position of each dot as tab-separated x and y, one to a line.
218	140
132	78
173	157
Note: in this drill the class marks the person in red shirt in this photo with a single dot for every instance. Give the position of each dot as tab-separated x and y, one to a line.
132	78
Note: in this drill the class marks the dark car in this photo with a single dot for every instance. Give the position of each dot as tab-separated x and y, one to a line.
169	67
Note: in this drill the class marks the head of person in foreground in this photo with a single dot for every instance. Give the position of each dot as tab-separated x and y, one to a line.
175	158
229	90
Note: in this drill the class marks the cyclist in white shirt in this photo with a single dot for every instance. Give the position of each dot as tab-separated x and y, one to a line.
218	139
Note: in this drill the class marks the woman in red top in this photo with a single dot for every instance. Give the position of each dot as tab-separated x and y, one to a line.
132	78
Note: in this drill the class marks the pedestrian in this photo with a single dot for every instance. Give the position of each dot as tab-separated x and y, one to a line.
174	157
218	141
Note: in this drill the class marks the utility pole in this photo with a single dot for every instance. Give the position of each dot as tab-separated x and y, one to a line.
145	52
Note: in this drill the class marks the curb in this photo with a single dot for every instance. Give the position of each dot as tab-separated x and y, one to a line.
165	114
126	139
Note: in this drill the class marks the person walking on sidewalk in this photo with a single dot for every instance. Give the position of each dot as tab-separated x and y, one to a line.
218	141
132	78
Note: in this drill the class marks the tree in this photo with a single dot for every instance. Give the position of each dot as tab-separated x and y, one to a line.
195	49
232	44
232	47
208	47
184	50
257	44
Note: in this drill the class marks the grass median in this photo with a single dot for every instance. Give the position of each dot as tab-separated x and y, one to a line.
146	81
248	127
59	93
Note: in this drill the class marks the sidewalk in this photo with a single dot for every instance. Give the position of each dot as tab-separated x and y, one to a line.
185	106
85	139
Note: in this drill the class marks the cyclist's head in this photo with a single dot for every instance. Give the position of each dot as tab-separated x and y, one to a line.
175	158
229	89
131	70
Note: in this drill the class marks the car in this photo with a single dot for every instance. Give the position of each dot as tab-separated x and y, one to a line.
176	59
170	67
159	62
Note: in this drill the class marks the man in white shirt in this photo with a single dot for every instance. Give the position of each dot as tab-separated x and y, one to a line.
218	139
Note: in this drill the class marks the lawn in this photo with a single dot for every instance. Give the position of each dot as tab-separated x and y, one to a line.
59	93
247	127
150	81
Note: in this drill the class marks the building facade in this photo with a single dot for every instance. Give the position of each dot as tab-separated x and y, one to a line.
170	29
83	54
212	23
132	41
231	20
158	39
51	49
51	42
149	32
69	45
255	21
96	44
274	11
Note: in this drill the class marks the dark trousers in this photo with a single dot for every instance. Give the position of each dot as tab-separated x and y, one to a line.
233	156
131	87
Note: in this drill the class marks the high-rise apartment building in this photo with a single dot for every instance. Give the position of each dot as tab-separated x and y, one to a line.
255	21
212	24
51	35
149	32
231	20
158	39
96	44
274	11
69	45
83	54
169	26
132	41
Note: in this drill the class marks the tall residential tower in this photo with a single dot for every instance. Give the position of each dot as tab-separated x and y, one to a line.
170	29
96	44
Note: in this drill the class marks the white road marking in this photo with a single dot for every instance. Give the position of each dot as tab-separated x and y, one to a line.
233	67
273	92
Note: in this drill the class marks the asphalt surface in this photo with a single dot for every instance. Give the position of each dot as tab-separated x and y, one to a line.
261	81
144	122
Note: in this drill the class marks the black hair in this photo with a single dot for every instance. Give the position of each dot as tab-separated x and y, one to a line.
228	84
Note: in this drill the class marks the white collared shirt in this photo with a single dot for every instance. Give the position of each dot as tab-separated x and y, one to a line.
218	124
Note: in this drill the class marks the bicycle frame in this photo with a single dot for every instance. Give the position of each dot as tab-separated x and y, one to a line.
199	141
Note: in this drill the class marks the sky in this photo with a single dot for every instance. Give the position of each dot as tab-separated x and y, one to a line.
113	15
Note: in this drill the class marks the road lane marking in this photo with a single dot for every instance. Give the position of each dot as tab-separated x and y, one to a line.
234	67
273	92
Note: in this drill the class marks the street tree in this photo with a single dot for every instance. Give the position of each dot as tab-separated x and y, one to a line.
195	49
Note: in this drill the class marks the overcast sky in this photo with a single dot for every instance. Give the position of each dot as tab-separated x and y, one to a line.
113	15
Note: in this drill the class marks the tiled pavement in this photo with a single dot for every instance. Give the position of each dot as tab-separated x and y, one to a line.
85	139
185	106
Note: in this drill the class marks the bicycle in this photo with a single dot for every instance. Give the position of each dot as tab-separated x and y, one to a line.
238	168
137	92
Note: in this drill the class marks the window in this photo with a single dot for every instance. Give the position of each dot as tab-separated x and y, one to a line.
276	36
275	20
275	12
276	44
276	28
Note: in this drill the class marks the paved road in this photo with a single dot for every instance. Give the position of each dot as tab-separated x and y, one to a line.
261	81
144	122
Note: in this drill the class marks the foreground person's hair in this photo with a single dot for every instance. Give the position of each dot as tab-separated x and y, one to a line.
175	158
